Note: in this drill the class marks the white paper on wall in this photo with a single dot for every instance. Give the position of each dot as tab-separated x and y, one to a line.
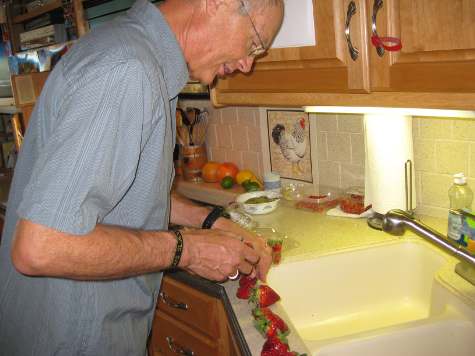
298	27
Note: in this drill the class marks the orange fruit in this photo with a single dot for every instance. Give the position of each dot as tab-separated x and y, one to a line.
227	169
209	172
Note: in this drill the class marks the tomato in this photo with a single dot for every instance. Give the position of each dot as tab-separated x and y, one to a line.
209	172
227	169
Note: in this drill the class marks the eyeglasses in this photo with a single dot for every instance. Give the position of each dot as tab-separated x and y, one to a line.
255	50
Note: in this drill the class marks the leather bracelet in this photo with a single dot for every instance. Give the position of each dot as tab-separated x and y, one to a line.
178	250
215	214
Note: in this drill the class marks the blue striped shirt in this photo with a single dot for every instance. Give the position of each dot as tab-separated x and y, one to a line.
98	149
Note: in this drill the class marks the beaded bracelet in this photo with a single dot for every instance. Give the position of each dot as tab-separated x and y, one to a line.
178	250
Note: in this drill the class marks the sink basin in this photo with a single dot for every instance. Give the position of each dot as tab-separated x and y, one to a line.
373	300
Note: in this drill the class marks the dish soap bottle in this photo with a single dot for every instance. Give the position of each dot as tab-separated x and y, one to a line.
461	197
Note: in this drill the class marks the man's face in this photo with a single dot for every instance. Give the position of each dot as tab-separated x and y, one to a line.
235	37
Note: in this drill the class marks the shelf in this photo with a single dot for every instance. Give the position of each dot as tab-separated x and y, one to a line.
37	12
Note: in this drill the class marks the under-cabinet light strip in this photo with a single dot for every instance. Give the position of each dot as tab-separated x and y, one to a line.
399	111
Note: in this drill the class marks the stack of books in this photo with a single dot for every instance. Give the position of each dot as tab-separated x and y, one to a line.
43	36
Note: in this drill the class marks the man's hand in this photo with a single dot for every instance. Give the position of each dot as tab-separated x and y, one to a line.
258	244
216	254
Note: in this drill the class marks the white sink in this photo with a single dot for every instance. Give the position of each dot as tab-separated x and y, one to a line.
381	300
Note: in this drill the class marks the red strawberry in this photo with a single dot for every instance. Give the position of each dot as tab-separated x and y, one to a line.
247	281
269	323
276	246
263	296
244	292
275	346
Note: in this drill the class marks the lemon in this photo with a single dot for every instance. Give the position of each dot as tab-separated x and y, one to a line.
244	175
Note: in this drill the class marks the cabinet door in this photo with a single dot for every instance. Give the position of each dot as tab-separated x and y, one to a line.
325	67
438	53
170	337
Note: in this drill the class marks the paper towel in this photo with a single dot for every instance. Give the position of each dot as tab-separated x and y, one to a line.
388	143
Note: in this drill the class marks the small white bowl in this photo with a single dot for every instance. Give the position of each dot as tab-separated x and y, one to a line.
260	208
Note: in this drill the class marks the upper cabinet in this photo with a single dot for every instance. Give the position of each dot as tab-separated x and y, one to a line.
324	67
438	52
434	68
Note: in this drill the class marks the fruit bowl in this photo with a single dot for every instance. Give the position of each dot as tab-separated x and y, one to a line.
259	202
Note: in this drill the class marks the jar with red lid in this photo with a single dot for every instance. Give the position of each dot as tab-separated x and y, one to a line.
352	202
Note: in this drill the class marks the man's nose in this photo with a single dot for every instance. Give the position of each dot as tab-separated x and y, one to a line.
245	64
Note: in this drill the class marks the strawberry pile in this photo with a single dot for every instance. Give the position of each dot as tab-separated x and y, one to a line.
269	324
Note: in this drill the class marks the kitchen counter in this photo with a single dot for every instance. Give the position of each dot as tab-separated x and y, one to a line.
310	235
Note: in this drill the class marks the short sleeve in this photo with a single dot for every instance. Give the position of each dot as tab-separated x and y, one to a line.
88	160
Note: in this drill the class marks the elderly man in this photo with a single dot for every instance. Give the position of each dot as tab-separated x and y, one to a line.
86	235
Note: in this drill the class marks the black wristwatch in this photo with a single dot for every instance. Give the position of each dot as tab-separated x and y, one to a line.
215	214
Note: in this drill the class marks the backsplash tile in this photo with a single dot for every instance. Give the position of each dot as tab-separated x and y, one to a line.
357	149
339	146
464	129
442	147
424	154
343	164
350	123
452	157
471	170
435	128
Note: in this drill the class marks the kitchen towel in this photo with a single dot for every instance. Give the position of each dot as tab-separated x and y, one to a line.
388	144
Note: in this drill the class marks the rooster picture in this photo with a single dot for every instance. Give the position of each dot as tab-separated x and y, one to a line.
293	145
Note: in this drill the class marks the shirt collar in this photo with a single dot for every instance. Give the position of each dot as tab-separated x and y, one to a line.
166	46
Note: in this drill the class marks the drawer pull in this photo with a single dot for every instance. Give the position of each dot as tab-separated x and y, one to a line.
171	303
177	348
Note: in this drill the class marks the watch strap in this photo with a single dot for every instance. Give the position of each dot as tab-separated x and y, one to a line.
215	214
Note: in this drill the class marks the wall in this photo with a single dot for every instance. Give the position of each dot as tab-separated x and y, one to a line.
442	147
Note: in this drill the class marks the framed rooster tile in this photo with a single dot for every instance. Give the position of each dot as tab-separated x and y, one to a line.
290	144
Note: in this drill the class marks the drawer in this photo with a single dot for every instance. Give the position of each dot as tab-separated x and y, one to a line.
171	337
190	306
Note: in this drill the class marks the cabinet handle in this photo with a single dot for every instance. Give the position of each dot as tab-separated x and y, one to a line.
177	348
378	4
349	14
171	303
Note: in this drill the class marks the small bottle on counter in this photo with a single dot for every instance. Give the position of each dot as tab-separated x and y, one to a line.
272	182
461	197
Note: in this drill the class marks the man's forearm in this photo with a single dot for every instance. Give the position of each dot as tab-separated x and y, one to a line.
185	212
108	252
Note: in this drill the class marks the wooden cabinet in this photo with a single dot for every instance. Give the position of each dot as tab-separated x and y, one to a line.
324	67
435	68
438	52
190	322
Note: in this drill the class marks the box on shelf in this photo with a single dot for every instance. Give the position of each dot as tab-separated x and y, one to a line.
53	17
33	5
43	36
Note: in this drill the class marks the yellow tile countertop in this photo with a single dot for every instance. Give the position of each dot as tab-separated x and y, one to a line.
310	235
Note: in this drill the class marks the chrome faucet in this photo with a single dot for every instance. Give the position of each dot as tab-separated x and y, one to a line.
396	222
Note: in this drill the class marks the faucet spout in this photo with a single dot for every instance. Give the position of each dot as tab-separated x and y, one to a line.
396	222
